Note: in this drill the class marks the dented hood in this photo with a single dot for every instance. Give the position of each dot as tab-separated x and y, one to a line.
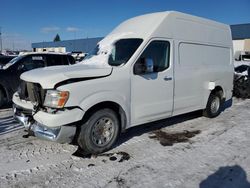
48	77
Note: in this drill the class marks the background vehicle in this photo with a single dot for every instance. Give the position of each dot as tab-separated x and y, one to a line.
10	72
242	56
242	74
148	68
78	56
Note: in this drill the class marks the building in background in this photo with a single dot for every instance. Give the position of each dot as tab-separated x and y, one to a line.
240	36
77	45
241	39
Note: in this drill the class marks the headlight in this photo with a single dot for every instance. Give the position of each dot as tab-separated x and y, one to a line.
56	99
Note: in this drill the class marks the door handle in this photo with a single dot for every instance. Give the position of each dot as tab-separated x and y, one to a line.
167	78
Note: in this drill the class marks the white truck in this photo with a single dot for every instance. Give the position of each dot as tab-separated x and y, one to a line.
149	68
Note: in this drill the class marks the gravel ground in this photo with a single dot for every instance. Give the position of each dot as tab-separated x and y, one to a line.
185	151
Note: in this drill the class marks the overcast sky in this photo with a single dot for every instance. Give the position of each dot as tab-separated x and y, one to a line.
27	21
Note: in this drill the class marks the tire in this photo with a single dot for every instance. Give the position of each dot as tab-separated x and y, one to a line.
2	98
214	104
100	132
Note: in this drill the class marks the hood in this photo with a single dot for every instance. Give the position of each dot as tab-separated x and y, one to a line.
48	77
95	66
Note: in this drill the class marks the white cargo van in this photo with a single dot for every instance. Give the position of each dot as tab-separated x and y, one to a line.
148	68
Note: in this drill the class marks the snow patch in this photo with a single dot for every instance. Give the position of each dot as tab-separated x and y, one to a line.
105	47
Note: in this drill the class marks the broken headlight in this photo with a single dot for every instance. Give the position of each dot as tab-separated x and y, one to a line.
55	98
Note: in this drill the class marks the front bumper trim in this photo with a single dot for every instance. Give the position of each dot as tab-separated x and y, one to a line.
59	118
62	134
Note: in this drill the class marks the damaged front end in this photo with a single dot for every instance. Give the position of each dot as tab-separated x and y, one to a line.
43	122
26	102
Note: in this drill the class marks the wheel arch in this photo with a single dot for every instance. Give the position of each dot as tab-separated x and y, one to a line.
220	90
117	108
217	88
213	109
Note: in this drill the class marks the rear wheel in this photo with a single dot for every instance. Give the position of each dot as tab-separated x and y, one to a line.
100	132
214	104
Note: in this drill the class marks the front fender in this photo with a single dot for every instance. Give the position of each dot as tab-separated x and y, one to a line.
106	96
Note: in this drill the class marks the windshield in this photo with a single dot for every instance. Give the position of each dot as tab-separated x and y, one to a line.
123	50
12	62
94	52
120	52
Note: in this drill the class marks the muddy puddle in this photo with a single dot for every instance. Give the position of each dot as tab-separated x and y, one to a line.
120	156
168	139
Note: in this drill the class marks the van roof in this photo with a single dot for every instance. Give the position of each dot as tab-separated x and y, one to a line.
172	24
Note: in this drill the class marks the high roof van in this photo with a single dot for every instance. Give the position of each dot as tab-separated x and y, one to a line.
148	68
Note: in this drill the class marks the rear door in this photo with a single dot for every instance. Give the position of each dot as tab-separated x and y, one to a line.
152	93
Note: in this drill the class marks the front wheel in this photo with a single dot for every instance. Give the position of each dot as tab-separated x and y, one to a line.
100	132
214	104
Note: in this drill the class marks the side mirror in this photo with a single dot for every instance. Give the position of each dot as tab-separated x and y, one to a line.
144	66
149	65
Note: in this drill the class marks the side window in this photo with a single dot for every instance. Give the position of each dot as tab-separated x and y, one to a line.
71	60
65	60
53	60
31	62
123	51
157	53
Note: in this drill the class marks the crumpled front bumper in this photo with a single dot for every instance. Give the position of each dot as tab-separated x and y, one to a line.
23	116
60	134
59	127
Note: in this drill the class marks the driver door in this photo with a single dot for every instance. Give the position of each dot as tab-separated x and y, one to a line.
152	91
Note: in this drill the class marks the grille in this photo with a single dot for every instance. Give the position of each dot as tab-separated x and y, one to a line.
32	92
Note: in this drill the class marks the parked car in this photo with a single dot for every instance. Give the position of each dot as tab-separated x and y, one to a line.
78	56
10	72
242	56
149	68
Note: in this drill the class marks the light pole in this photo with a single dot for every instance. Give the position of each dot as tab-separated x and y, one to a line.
74	41
1	44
